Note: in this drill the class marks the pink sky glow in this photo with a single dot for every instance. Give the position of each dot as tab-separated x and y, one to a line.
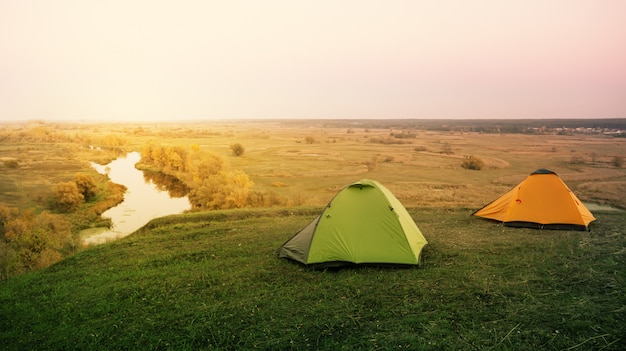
148	60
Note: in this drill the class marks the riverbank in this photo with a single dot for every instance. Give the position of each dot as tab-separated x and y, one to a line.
143	201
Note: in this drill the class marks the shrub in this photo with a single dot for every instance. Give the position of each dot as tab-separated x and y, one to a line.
237	149
371	165
225	190
473	162
576	160
446	149
86	186
33	241
403	135
11	164
67	198
617	161
309	140
265	199
388	141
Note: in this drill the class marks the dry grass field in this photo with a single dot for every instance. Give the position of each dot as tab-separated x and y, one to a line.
40	166
307	162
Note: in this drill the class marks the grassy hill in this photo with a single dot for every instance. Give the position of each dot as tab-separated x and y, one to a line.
212	281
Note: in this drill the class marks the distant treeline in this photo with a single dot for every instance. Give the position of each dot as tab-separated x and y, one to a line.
523	126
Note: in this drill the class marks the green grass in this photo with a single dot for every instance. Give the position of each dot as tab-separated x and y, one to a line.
212	281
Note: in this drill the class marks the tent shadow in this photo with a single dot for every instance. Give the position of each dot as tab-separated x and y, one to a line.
338	266
533	225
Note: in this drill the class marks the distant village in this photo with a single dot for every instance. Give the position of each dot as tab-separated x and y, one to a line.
614	127
615	132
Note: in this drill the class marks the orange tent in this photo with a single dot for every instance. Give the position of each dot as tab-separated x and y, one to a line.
542	200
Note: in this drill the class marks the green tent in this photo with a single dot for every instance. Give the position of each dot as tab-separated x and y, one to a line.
363	224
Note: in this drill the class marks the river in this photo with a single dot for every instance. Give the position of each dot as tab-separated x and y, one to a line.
143	201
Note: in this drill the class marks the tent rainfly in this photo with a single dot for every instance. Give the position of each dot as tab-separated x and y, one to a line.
542	200
363	224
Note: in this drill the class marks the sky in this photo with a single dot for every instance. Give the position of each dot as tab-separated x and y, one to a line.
148	60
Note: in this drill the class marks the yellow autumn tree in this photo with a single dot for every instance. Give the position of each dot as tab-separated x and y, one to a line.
67	197
86	186
213	185
225	190
34	241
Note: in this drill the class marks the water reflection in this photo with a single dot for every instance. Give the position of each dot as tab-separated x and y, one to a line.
147	197
166	182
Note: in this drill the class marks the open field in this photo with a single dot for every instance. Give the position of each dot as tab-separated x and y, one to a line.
40	166
211	281
307	162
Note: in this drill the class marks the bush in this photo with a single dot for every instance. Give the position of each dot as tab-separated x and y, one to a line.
473	162
11	164
67	198
388	141
309	140
33	241
265	199
86	186
446	149
617	161
226	190
237	149
371	165
577	160
403	135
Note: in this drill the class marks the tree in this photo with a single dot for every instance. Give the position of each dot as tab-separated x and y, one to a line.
86	186
182	153
6	213
8	260
158	157
205	165
67	198
228	189
176	158
146	153
114	140
34	241
237	149
238	186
